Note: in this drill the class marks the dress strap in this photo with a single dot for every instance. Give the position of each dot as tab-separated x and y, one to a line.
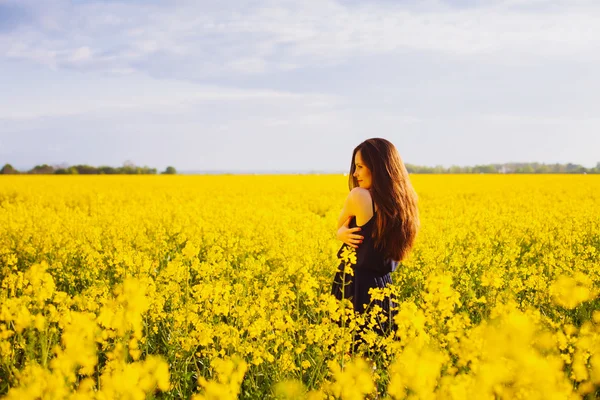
373	204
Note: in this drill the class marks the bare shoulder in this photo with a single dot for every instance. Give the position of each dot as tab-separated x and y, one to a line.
361	195
362	203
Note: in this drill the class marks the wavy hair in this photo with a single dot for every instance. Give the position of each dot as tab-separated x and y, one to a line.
397	220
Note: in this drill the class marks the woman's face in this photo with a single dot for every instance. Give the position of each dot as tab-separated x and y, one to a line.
361	172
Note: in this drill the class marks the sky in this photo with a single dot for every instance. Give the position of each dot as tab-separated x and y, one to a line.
249	86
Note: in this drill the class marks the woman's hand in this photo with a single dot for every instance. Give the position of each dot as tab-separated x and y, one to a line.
347	235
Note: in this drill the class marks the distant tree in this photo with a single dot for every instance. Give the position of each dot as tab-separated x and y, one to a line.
67	171
63	165
484	169
543	169
572	167
528	169
41	169
455	169
147	170
170	171
86	169
8	170
439	169
106	170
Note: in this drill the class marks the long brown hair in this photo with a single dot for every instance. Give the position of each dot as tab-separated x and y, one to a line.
397	221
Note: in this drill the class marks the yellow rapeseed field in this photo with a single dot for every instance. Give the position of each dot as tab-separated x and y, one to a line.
209	287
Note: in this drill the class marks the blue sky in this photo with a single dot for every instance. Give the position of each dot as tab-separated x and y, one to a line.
296	85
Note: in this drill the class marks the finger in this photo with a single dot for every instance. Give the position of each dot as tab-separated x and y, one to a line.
358	237
355	229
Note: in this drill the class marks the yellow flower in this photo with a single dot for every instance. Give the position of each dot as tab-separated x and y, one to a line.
353	381
416	370
230	373
569	292
290	389
348	255
495	300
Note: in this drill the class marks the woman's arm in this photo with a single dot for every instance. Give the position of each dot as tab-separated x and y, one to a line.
348	210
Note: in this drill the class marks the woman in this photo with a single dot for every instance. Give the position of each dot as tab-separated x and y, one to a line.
379	221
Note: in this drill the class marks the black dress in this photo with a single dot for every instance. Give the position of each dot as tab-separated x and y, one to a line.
372	270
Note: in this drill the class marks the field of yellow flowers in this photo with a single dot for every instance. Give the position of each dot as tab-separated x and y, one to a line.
208	287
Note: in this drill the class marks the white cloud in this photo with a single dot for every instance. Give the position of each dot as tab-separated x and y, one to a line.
491	80
250	65
276	35
129	93
524	120
81	55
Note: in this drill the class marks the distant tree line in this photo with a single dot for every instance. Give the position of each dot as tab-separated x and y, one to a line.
509	168
127	168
